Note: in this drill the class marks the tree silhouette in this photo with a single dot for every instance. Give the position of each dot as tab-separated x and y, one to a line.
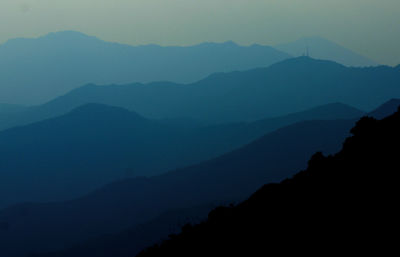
345	203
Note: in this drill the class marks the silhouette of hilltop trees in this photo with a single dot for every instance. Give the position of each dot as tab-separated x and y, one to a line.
341	204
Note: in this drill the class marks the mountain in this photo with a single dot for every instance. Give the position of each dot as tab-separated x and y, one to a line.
386	109
345	202
71	155
129	243
133	240
11	108
320	48
286	87
127	203
36	70
324	112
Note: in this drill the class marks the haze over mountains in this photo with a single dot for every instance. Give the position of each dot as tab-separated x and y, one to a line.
97	144
286	87
107	148
128	203
229	178
58	62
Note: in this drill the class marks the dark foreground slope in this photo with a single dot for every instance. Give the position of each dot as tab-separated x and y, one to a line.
232	177
345	202
129	242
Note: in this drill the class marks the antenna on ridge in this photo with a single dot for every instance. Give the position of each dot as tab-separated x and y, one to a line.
306	52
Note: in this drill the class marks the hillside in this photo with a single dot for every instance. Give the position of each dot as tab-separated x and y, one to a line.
342	203
71	155
124	204
386	109
127	243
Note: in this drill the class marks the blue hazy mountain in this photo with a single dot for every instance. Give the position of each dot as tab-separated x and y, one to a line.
94	144
129	242
286	87
386	109
33	71
11	108
231	177
320	48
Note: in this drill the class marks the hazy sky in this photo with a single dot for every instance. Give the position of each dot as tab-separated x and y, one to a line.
370	27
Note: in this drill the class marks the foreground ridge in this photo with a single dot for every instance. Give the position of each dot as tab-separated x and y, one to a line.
344	202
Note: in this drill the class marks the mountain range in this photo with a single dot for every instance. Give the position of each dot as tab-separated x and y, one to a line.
56	63
129	203
96	144
286	87
230	178
36	70
109	149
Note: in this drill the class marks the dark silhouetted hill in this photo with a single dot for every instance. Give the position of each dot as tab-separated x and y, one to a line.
131	241
128	244
286	87
35	70
94	144
124	204
324	49
341	203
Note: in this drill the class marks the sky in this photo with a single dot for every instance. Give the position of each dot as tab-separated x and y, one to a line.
369	27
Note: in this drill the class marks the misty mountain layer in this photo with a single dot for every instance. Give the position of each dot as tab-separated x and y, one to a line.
95	144
34	71
124	204
286	87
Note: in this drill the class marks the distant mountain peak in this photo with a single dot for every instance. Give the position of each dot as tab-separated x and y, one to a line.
62	36
71	33
69	36
321	48
225	44
230	43
307	62
81	58
336	106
